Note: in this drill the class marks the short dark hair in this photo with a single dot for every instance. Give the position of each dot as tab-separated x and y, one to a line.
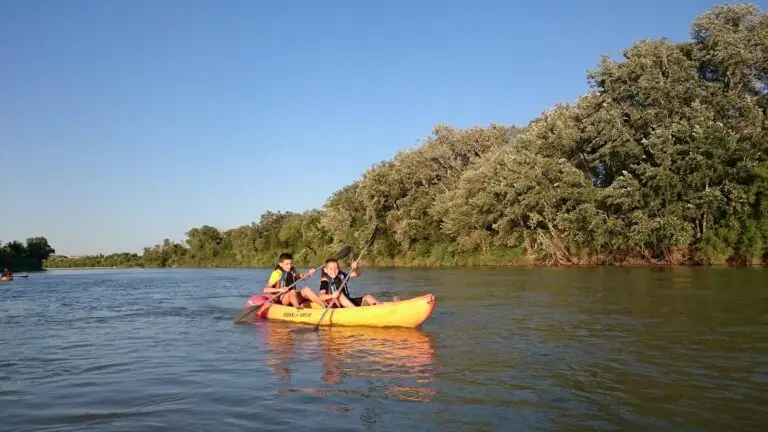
330	260
285	256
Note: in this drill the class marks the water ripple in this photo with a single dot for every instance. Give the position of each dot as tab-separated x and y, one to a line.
506	349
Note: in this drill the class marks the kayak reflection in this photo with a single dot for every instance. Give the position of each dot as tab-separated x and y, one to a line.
400	360
280	342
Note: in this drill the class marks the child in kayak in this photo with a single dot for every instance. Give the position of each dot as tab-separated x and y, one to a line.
285	275
331	280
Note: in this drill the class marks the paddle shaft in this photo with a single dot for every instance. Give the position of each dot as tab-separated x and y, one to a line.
341	254
344	281
289	287
247	311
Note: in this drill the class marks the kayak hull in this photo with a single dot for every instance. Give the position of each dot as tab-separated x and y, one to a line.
6	279
410	313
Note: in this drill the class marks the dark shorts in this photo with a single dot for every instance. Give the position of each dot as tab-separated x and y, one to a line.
357	301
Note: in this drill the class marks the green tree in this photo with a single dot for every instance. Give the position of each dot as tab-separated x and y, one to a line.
664	160
38	248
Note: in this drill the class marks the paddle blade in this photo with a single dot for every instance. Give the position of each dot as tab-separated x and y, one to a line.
302	330
343	252
370	241
373	236
246	315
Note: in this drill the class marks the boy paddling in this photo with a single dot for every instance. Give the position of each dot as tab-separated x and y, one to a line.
331	280
285	275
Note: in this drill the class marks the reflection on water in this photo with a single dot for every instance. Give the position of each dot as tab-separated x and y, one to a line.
400	361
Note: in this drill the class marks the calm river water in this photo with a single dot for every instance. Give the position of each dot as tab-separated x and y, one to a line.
505	350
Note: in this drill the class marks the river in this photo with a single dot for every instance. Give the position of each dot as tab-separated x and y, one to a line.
682	349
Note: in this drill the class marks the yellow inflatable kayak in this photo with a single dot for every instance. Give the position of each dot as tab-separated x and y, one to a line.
404	313
6	278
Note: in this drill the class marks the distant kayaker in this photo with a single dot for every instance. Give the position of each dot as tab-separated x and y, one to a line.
330	282
285	275
7	273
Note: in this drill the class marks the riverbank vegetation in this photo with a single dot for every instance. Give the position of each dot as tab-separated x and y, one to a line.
663	161
29	256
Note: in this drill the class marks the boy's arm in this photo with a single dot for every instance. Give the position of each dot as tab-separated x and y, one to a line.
355	272
270	286
307	275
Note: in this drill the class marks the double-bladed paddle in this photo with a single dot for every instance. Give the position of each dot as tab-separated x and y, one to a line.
247	313
344	281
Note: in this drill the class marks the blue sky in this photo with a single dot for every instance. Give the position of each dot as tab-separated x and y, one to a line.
126	122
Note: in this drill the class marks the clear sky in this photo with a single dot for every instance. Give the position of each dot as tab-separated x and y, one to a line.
126	122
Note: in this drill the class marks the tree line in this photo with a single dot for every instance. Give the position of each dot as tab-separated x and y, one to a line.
663	161
29	255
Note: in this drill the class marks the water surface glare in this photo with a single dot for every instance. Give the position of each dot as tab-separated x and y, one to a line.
506	349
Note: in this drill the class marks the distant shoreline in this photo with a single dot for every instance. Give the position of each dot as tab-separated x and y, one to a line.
465	266
85	268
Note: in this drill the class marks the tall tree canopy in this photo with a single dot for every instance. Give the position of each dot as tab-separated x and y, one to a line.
663	161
